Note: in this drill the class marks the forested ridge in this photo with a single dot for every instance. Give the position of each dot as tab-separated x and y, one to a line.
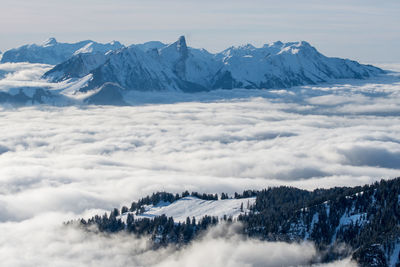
364	218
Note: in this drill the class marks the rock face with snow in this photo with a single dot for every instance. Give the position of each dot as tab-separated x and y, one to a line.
53	52
77	66
156	66
108	94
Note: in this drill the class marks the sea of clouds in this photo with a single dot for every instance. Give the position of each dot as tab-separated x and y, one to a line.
61	163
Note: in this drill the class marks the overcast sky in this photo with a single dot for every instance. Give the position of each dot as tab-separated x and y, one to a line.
365	30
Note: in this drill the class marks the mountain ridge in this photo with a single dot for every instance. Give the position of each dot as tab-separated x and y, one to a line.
361	222
179	67
52	52
90	67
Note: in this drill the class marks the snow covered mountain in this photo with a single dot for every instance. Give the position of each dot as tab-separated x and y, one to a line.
171	67
81	64
53	52
156	66
283	65
110	74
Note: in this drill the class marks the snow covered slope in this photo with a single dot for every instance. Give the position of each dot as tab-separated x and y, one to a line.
156	66
194	207
283	65
53	52
77	66
134	69
173	67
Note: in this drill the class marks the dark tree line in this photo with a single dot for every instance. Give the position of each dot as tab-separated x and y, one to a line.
285	214
163	230
159	197
278	211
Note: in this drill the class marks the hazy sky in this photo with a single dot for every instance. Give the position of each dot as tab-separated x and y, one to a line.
365	30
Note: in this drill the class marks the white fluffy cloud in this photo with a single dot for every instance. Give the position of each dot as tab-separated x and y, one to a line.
14	75
58	163
31	244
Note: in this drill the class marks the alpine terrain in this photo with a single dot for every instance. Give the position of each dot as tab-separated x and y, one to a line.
104	74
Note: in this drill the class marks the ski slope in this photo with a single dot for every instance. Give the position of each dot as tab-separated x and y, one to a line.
194	207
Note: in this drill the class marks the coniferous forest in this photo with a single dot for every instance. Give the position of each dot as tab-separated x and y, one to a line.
364	218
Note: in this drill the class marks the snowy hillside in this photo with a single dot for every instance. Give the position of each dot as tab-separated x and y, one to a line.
358	222
194	207
78	66
53	52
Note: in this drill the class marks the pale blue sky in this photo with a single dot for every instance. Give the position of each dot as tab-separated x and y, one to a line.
365	30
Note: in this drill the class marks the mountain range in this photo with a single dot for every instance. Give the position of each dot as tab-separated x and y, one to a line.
106	72
52	52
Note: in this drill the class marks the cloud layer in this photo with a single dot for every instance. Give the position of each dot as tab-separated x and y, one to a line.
22	75
59	163
58	246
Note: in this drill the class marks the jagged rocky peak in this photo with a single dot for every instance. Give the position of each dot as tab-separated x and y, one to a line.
304	43
181	43
179	67
246	47
114	42
50	41
180	46
174	57
276	43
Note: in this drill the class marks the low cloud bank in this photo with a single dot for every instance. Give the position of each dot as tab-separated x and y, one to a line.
31	244
60	163
16	75
221	246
